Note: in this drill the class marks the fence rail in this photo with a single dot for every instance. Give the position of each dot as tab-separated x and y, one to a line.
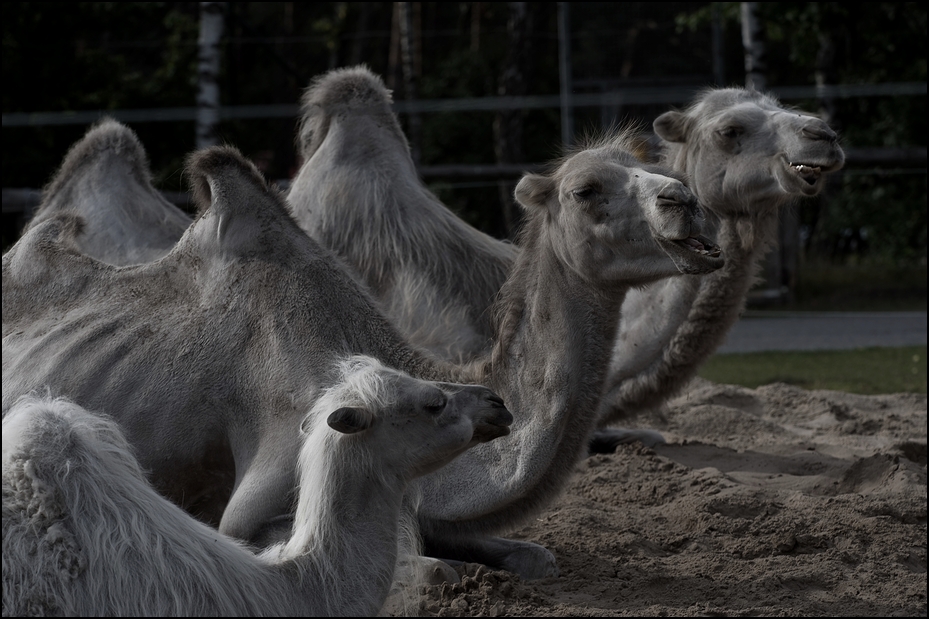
24	200
669	95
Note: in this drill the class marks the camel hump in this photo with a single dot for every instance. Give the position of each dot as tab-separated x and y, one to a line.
238	211
43	264
50	235
107	139
350	87
222	179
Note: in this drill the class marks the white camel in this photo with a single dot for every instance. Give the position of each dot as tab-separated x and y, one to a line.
358	193
209	355
745	156
85	534
105	178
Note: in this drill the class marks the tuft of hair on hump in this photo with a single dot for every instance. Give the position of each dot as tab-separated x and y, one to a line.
62	228
106	136
348	87
211	162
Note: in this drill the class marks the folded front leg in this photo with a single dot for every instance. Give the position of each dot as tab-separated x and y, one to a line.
530	561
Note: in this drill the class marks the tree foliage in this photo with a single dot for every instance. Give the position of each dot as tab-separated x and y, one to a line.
61	56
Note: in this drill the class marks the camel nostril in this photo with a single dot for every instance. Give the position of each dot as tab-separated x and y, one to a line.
667	201
496	400
819	133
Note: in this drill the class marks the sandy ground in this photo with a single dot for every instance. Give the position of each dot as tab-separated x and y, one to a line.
768	502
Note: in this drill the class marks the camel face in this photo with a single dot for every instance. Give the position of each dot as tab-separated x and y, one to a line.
741	147
621	220
430	423
436	422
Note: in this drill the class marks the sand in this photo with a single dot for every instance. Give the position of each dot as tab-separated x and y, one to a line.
774	501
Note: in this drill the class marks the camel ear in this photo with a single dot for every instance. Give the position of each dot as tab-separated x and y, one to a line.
349	420
671	127
534	190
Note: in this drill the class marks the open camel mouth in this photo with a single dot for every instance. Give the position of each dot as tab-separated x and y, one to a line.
809	173
694	255
701	245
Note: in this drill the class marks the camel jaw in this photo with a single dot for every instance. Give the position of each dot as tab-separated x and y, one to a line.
806	177
695	255
494	424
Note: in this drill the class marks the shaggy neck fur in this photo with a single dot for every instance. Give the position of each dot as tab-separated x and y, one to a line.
85	534
349	522
714	304
554	331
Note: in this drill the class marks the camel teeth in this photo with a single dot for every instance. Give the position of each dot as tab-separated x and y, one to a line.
804	169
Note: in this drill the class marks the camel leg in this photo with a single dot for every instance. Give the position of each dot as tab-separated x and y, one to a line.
606	440
259	511
530	561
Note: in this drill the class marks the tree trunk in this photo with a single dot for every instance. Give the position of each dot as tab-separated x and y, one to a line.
753	41
825	75
508	124
564	66
208	57
408	59
719	54
361	31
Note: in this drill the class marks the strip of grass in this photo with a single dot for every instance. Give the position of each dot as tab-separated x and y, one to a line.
866	370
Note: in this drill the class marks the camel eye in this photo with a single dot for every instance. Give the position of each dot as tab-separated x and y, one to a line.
731	132
436	405
584	193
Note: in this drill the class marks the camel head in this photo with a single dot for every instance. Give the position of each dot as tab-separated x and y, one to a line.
612	217
743	151
416	425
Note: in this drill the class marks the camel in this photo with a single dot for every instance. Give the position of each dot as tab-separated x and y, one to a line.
105	178
85	534
358	194
233	331
747	157
744	153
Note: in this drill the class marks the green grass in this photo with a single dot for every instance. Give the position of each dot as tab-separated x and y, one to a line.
866	370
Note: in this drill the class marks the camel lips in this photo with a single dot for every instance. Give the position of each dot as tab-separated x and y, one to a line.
808	173
696	245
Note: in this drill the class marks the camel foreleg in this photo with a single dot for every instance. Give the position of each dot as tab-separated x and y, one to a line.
530	561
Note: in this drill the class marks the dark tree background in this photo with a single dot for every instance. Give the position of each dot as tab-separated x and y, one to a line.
89	56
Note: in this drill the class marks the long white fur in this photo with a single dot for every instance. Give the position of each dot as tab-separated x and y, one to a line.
84	532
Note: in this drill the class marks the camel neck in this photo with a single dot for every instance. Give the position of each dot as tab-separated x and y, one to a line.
554	336
712	304
345	535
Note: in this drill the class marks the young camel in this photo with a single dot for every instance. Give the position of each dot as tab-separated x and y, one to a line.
745	154
105	178
85	534
233	331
